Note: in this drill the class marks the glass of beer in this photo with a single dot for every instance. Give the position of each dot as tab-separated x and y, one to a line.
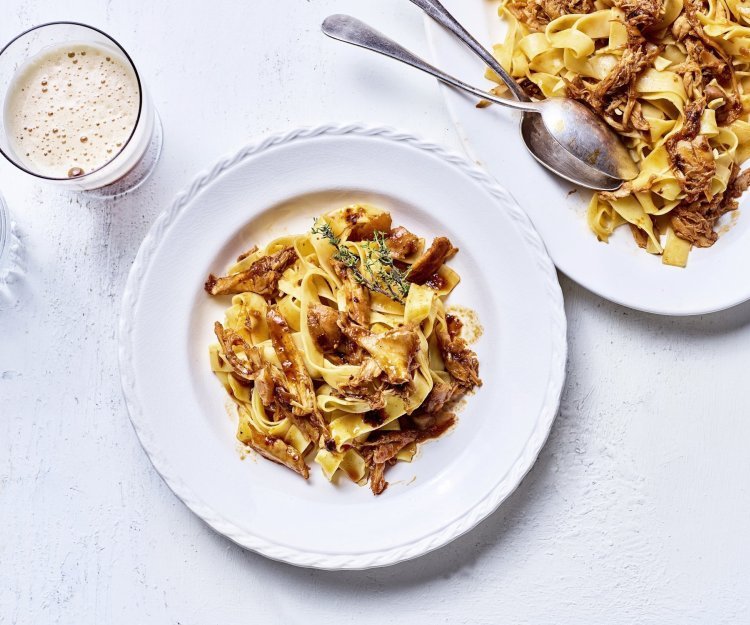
75	112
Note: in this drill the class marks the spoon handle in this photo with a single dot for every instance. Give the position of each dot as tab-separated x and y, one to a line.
351	30
442	16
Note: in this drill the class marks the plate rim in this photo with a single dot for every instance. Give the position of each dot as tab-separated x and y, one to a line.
364	560
431	29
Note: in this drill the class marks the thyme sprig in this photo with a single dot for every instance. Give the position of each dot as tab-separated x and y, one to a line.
389	274
378	273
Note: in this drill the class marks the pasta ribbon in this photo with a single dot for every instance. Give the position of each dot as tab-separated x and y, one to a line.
329	346
673	79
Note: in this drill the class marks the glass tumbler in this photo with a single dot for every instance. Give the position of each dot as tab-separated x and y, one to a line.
132	154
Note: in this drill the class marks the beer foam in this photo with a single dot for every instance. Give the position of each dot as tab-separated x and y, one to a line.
71	109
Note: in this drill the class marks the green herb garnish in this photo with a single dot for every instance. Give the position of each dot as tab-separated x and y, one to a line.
379	272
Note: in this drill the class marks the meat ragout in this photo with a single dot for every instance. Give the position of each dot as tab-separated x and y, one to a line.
331	360
690	42
262	277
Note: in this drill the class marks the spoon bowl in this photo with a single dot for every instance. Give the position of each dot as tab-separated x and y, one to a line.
546	150
583	134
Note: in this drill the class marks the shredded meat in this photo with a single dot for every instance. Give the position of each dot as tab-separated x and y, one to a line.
614	97
402	243
711	60
357	301
694	165
289	391
245	369
262	277
691	124
460	361
292	363
364	224
347	353
440	395
277	390
394	350
708	76
695	221
382	448
301	392
693	226
383	361
641	13
308	427
367	384
285	394
538	13
276	450
381	451
323	327
266	383
377	478
690	154
430	262
386	445
357	295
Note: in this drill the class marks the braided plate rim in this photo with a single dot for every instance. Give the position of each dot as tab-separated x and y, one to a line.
427	543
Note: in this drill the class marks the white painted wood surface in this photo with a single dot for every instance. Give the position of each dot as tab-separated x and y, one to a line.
637	511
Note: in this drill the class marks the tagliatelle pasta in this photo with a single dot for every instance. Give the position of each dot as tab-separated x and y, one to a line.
672	77
337	343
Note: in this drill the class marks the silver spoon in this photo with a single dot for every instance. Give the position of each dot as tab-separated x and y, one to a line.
601	161
542	146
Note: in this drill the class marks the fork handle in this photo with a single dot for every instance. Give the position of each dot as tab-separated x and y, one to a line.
442	16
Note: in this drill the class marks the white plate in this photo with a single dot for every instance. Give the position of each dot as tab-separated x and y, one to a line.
618	271
178	408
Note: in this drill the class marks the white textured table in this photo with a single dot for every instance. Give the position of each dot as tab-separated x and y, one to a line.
637	511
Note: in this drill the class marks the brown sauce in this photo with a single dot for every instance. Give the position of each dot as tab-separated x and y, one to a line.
437	282
374	418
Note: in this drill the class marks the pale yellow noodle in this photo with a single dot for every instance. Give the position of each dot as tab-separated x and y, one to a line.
314	281
589	46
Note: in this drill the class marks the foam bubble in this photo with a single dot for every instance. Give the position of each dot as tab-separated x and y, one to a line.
53	93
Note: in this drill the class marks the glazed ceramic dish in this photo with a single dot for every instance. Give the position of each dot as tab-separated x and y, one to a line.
179	409
618	271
